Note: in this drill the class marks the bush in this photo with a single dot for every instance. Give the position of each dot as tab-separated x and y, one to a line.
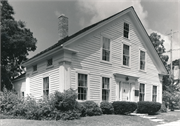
148	107
91	108
106	108
123	107
163	107
8	100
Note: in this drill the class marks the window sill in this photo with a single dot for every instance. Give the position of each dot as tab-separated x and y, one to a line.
34	72
48	67
126	38
102	61
126	67
142	71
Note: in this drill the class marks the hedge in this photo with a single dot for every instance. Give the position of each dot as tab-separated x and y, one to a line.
124	107
148	107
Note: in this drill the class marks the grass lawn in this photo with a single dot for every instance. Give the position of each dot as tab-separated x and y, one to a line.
169	116
104	120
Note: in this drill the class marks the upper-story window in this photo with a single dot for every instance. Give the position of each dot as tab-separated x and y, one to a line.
142	60
126	30
126	54
35	68
154	94
82	86
49	62
105	89
106	49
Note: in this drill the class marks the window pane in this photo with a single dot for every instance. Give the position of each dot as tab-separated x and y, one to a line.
106	43
141	92
126	55
82	86
46	86
105	89
126	30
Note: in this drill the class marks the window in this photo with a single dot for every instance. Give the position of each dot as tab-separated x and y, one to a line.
82	86
22	94
141	92
105	89
126	30
142	60
154	94
106	49
49	62
46	87
126	55
35	68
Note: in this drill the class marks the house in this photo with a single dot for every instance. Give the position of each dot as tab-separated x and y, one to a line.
111	60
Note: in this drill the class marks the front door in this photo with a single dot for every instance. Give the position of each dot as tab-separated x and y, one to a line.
125	91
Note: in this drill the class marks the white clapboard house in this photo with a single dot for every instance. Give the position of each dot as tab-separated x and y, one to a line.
111	60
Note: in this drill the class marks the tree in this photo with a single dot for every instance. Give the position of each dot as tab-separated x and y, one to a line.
158	45
16	42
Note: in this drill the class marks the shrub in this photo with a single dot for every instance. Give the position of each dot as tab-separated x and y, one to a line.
92	108
163	107
123	107
106	108
65	101
8	99
148	107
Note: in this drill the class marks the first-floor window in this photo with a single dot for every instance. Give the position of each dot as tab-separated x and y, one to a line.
141	92
22	94
154	94
105	89
82	87
46	87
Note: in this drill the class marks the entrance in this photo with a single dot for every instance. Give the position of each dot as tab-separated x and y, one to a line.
126	91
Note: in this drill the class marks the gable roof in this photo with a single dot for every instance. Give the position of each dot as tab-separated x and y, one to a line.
79	33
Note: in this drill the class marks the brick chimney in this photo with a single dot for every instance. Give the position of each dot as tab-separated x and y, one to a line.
63	26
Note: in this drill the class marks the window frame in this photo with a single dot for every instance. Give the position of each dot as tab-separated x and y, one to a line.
145	69
86	72
48	87
48	62
140	91
126	43
155	94
110	55
105	89
34	70
126	30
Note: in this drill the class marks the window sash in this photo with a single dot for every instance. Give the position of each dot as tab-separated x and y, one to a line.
141	92
46	86
35	68
105	89
106	49
142	60
49	62
126	55
126	30
154	94
82	86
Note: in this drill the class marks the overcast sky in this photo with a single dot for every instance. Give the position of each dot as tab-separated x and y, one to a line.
158	16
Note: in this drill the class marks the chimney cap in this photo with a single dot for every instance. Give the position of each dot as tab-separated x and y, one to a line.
62	15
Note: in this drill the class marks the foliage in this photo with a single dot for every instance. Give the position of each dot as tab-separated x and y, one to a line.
58	106
158	45
123	107
107	108
148	107
17	41
163	108
8	99
92	109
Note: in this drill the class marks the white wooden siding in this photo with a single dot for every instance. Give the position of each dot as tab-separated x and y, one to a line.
89	56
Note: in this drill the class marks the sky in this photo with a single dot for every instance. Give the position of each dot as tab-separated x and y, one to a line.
41	17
